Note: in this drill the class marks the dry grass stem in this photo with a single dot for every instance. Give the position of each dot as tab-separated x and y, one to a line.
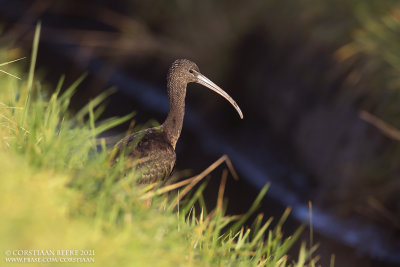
387	129
203	174
167	188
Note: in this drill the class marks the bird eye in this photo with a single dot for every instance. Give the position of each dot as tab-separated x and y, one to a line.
191	71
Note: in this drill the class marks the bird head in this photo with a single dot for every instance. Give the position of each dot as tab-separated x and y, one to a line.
185	71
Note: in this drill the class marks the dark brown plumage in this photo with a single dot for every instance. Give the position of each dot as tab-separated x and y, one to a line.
153	149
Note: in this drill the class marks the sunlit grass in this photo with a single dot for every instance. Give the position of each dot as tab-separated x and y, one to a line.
9	62
59	191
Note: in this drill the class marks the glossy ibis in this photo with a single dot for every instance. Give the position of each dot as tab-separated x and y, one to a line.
153	150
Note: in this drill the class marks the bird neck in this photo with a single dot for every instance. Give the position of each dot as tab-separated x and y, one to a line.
173	124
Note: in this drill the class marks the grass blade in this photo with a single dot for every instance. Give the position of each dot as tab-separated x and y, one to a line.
9	62
31	70
252	209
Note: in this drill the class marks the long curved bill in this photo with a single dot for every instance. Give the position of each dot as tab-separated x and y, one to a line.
203	80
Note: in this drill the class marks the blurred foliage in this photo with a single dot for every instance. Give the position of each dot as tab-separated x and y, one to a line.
373	55
375	46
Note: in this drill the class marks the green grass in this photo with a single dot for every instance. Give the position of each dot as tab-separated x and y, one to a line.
58	191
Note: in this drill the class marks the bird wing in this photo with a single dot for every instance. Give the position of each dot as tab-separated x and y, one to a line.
150	153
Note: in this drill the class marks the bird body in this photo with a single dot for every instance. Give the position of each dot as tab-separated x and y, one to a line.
152	151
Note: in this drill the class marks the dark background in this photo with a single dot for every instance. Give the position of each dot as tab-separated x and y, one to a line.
301	73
